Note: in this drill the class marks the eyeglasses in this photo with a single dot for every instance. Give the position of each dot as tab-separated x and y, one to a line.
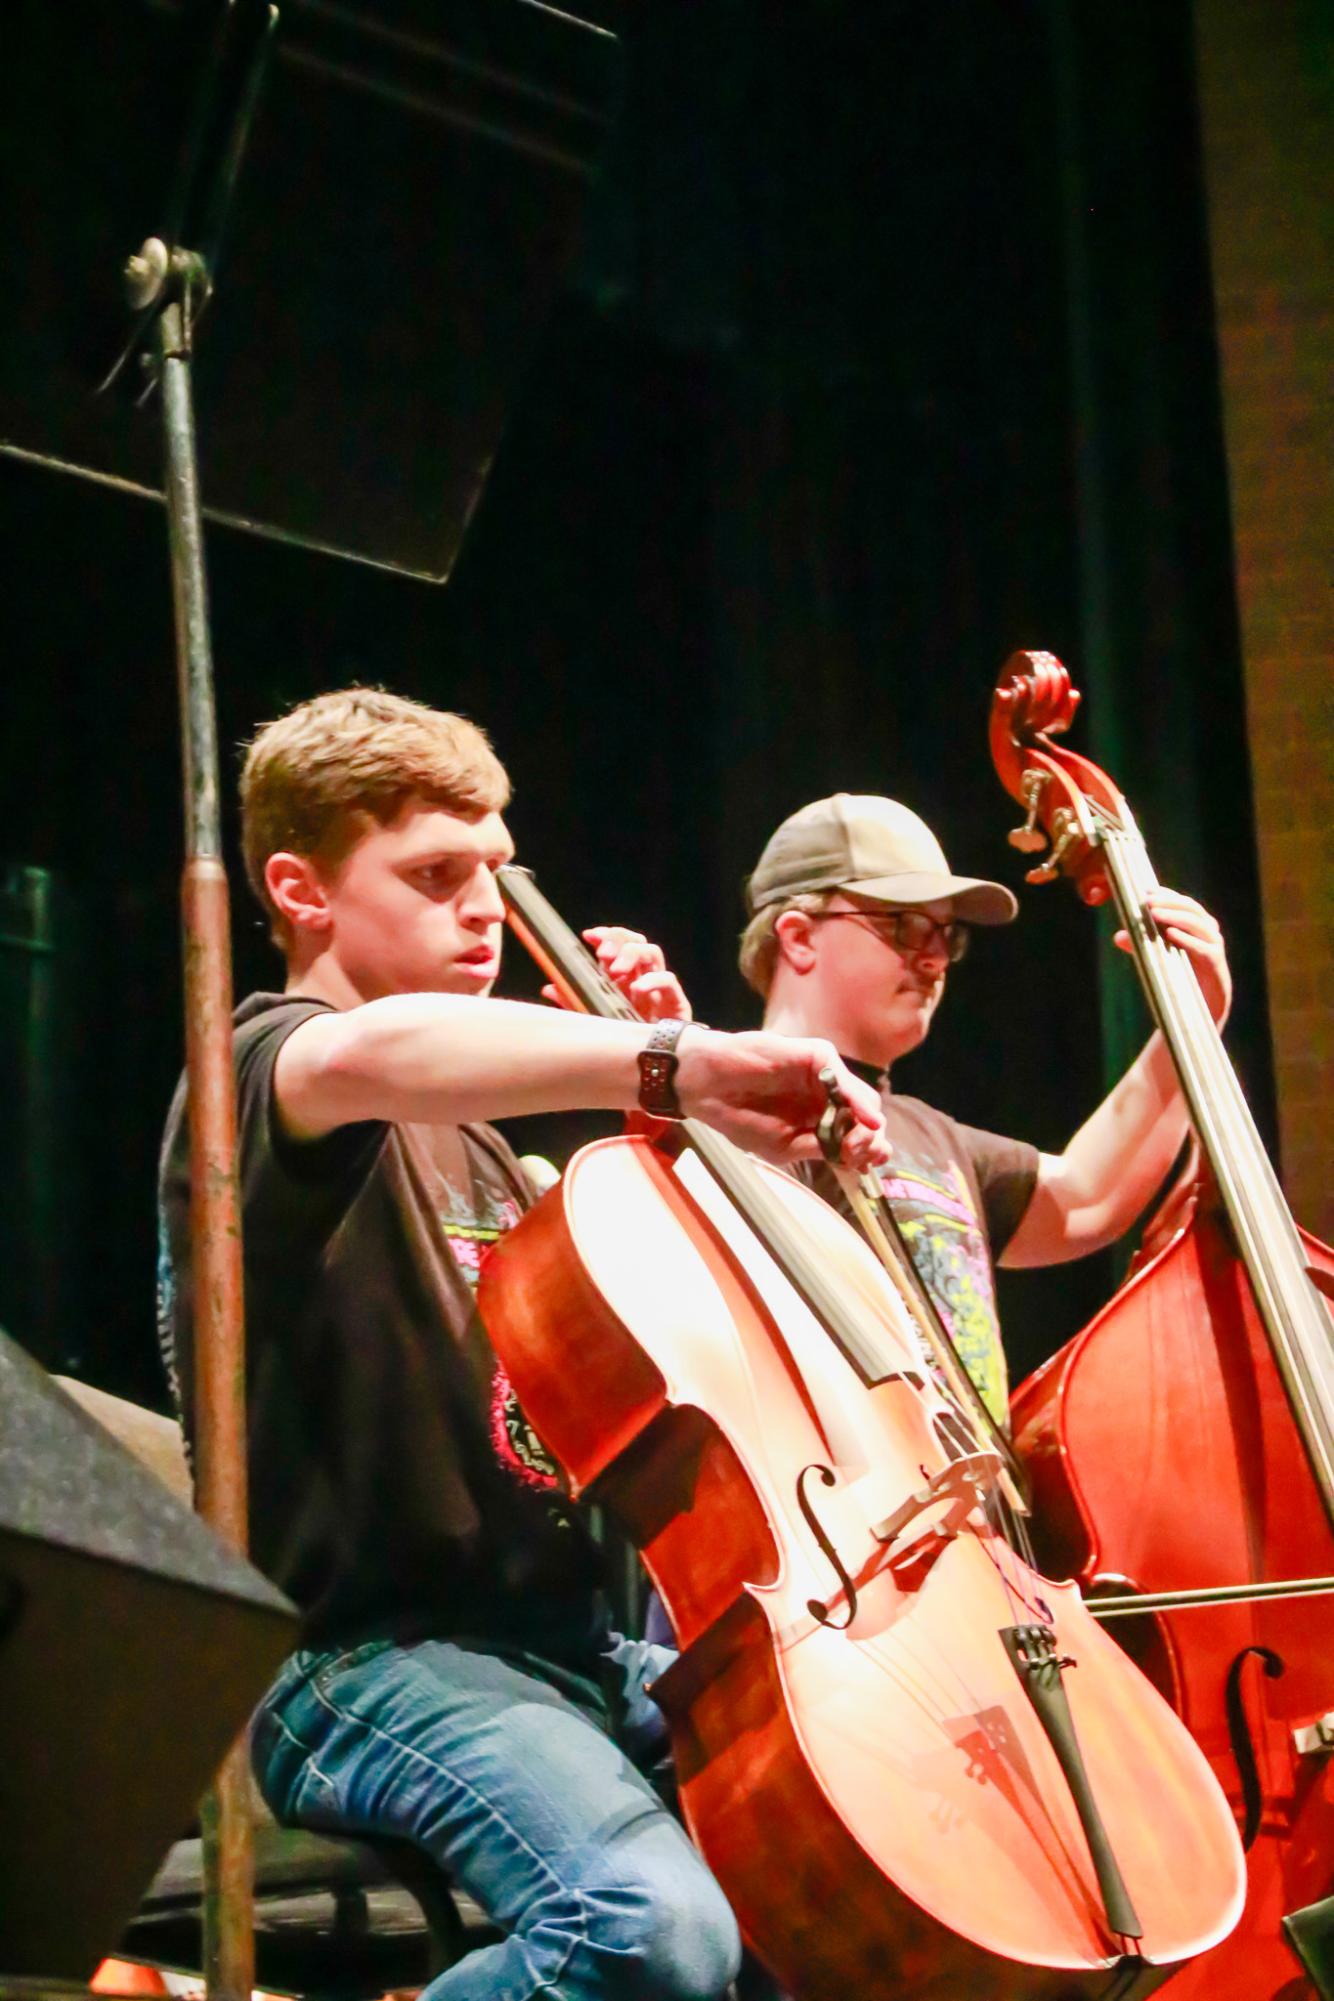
908	931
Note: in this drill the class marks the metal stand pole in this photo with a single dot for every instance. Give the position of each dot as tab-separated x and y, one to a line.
215	1214
166	286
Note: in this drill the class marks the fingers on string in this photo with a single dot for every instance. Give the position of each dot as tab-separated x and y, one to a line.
659	996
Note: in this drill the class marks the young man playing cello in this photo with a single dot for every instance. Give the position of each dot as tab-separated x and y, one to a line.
856	918
456	1684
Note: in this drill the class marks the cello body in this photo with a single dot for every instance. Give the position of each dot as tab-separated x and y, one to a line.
861	1768
1160	1450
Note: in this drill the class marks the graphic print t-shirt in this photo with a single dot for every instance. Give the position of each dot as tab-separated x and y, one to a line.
472	1223
394	1484
958	1194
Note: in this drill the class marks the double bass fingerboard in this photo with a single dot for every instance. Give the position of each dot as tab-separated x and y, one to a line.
1295	1314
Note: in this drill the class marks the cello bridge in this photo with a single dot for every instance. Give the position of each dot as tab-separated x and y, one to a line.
1315	1740
940	1508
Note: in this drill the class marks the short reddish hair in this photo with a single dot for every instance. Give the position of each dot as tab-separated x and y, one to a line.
314	780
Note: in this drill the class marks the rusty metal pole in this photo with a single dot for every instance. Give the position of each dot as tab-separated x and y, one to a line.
215	1214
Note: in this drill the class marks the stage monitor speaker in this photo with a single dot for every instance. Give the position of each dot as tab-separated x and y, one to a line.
133	1646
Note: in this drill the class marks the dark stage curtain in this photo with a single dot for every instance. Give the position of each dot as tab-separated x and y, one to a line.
891	349
952	296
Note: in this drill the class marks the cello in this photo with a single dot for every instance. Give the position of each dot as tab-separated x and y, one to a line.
1180	1450
917	1768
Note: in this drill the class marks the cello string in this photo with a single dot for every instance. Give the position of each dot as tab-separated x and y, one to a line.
924	1682
880	1228
567	959
1004	1506
873	1211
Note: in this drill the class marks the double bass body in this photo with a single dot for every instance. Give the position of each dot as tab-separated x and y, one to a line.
858	1760
1160	1448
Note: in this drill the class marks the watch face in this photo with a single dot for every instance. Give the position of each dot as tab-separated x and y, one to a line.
657	1095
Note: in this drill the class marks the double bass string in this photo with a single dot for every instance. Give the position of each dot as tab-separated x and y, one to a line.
1194	1040
1297	1322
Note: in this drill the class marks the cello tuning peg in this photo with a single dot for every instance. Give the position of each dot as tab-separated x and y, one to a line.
1030	839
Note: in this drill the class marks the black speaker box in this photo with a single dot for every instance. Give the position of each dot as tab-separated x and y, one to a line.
133	1646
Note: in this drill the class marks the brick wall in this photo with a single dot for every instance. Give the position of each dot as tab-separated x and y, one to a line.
1265	74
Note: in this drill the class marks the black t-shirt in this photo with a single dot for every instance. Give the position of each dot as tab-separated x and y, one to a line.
958	1194
394	1485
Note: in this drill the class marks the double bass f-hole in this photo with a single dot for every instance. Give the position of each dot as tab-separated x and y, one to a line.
1242	1740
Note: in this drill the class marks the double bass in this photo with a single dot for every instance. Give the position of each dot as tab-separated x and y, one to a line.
917	1767
1181	1449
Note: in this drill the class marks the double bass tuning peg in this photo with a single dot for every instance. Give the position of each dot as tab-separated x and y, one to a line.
1066	834
1030	839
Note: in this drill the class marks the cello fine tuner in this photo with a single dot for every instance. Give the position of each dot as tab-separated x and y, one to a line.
1030	839
1067	831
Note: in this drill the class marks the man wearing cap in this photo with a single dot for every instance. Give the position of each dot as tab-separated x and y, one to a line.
856	918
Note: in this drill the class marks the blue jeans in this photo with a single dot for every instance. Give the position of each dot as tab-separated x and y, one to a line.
520	1794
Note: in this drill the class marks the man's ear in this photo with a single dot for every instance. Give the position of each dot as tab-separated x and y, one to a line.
298	893
796	942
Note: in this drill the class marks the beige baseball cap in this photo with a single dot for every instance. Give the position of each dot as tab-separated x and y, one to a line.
874	848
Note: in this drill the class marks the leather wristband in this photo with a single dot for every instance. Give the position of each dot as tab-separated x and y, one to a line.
658	1063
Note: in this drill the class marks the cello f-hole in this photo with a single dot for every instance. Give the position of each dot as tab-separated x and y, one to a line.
817	1529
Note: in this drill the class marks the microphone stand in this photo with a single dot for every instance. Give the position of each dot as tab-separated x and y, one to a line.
167	286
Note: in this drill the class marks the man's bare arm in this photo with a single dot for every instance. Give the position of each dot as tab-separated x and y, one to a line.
1090	1195
444	1059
